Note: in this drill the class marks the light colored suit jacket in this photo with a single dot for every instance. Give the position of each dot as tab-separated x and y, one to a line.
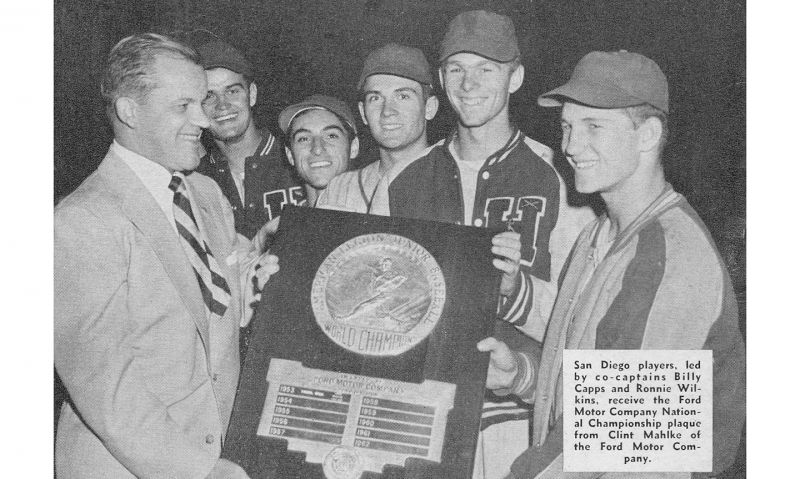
151	379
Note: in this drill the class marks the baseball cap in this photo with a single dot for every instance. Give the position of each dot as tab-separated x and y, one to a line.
316	102
398	60
483	33
219	54
613	80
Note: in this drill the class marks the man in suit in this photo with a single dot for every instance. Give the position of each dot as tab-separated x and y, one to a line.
148	279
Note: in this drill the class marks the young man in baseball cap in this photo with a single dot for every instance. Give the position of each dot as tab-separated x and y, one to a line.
246	162
487	173
321	139
397	101
632	281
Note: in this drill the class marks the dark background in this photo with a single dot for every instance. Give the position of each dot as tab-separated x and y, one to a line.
301	47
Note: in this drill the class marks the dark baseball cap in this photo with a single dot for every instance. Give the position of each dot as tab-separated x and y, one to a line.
220	54
399	60
316	102
613	80
483	33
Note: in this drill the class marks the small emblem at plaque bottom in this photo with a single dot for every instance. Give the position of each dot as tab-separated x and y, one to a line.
342	463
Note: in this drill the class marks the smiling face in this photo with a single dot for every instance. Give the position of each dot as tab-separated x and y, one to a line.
479	88
602	146
170	119
396	111
319	147
228	103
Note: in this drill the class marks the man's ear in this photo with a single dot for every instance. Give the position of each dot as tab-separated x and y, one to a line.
289	155
516	78
253	94
126	109
361	110
354	148
431	107
650	132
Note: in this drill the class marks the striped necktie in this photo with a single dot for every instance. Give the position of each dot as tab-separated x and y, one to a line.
213	287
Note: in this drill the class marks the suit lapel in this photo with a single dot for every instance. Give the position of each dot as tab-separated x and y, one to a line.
147	216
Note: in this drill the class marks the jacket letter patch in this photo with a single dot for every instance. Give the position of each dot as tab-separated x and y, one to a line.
520	214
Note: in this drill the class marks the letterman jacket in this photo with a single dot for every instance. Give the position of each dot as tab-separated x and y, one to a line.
518	189
270	183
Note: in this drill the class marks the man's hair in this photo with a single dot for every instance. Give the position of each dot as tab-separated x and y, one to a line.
639	113
427	92
513	64
348	130
129	67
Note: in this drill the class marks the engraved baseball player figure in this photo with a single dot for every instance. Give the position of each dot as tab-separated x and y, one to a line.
388	279
372	310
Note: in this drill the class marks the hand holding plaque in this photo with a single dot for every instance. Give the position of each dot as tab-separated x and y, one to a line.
362	361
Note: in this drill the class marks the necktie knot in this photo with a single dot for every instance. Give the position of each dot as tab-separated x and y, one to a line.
176	183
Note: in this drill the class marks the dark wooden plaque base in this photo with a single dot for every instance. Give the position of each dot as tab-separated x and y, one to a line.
284	327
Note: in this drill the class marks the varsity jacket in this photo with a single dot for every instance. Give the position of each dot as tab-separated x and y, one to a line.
660	285
518	189
270	183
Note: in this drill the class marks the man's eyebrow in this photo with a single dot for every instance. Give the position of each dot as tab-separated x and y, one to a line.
405	89
595	119
333	127
298	131
306	130
585	119
239	84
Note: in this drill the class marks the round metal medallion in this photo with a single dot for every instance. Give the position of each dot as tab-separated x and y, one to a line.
378	294
342	463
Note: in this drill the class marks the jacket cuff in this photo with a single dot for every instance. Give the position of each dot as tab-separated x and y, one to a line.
516	307
524	383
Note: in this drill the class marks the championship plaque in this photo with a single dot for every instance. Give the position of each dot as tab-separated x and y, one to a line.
362	360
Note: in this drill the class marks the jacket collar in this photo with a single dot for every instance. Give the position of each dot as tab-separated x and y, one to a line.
268	142
516	138
666	200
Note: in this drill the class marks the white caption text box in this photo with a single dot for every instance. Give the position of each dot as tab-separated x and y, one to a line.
638	410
